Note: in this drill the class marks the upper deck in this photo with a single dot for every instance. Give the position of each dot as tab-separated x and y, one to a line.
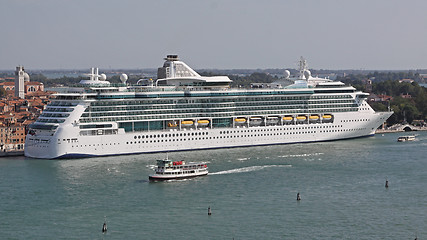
176	80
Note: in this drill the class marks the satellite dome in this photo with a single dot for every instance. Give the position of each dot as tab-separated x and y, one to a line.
286	74
123	78
26	77
103	77
307	74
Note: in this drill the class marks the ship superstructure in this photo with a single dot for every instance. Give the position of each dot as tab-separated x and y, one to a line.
182	110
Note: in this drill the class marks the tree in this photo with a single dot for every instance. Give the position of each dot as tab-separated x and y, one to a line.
2	92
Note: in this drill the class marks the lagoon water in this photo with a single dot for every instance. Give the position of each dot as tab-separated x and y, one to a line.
251	191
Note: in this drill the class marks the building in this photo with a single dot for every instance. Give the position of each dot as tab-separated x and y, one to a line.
407	95
23	103
406	81
29	87
12	137
384	98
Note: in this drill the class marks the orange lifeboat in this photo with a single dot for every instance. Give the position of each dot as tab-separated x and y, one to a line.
240	120
203	122
172	124
314	118
288	118
327	118
187	123
301	118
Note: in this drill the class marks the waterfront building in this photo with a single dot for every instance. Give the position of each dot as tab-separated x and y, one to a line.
12	136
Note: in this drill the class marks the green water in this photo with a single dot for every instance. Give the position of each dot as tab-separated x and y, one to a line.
251	191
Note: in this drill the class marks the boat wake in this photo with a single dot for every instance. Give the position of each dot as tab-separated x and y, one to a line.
301	155
247	169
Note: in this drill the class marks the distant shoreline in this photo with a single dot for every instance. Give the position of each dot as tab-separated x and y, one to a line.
379	131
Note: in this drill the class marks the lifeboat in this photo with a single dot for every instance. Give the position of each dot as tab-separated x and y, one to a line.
301	118
288	119
203	122
172	124
272	120
240	120
187	123
256	118
314	118
327	118
255	121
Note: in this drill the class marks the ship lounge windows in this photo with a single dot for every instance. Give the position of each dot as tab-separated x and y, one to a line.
36	126
96	126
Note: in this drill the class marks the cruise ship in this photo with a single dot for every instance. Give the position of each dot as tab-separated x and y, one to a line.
182	110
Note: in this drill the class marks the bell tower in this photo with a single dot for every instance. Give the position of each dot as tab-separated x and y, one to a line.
19	82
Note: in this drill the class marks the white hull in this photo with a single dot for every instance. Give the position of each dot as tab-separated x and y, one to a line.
159	177
68	144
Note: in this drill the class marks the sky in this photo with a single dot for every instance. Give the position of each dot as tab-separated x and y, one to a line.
213	34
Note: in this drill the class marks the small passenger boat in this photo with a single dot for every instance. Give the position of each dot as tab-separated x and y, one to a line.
405	138
167	170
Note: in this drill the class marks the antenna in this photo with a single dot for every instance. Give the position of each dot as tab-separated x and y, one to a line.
302	67
94	76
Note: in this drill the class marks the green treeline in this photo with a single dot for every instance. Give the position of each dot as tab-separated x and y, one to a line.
69	81
409	109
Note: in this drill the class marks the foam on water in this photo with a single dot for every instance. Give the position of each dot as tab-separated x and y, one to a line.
301	155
